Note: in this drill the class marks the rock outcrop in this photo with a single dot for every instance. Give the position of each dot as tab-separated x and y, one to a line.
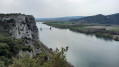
19	25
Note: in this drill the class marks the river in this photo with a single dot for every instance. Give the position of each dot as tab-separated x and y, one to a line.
84	50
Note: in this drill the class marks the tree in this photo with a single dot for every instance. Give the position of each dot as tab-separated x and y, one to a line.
4	60
26	61
2	64
58	60
4	49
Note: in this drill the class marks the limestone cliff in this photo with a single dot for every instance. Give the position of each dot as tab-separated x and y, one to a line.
19	25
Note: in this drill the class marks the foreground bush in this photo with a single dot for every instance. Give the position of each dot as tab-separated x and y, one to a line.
9	47
58	60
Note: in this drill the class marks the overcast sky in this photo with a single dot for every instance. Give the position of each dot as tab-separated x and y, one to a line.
60	8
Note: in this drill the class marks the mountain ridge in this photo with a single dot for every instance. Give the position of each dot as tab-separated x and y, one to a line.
58	18
99	19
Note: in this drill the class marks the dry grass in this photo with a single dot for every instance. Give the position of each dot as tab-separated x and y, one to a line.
115	28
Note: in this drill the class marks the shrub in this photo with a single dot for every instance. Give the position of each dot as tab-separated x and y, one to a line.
58	60
4	60
4	49
27	48
2	64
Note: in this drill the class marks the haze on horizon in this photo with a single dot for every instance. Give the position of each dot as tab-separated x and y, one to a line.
60	8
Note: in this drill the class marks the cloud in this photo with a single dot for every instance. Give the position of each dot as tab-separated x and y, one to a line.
58	8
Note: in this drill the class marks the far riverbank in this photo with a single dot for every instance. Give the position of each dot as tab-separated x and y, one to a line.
100	31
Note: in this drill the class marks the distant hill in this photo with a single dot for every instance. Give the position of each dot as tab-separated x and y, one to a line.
99	19
59	18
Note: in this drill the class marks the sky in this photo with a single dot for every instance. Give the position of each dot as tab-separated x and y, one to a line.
59	8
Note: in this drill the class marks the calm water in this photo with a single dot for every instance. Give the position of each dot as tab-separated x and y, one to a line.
84	50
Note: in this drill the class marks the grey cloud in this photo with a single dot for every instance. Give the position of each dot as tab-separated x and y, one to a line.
58	8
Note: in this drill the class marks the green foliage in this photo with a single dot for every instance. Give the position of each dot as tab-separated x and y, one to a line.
26	61
106	35
79	28
82	28
2	64
5	60
113	28
64	25
58	60
11	20
13	44
4	49
27	48
9	47
36	44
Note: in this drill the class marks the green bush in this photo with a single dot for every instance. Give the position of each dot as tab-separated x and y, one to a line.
4	49
27	48
58	60
5	60
13	44
2	64
9	47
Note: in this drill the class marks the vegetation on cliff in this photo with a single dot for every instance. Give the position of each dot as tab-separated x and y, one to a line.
9	47
18	37
58	60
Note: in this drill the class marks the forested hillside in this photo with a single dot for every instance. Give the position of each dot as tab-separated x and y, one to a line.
99	19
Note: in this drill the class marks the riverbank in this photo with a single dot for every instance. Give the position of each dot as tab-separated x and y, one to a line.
110	32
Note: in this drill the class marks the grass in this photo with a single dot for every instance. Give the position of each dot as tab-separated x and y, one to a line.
113	28
64	23
79	28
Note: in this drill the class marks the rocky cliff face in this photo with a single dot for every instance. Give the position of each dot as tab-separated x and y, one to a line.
19	25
